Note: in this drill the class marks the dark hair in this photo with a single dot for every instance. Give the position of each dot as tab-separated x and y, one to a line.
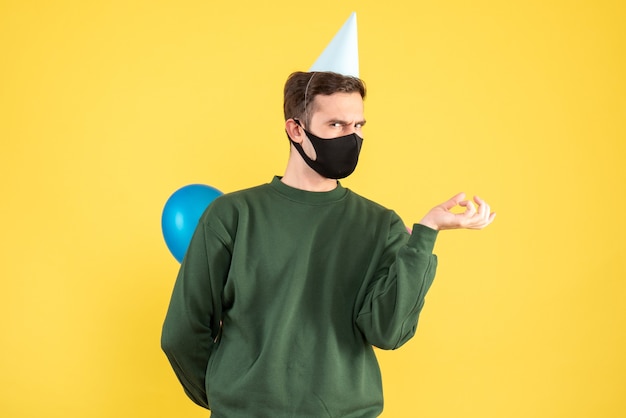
301	86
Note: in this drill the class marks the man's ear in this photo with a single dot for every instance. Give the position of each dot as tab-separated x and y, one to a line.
294	130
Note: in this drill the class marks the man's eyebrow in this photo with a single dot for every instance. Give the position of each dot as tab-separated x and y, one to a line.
343	122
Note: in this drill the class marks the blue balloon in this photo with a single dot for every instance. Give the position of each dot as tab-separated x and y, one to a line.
181	214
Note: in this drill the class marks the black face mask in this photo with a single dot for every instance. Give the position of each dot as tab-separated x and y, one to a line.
336	157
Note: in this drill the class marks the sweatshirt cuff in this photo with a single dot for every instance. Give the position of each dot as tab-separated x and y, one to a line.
423	238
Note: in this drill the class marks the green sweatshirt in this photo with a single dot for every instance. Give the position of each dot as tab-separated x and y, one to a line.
283	293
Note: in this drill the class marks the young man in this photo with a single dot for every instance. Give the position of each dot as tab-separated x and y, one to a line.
286	287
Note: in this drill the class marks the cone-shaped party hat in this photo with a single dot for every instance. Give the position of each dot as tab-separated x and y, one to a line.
342	53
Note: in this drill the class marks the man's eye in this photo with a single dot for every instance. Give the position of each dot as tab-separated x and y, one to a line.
336	125
358	125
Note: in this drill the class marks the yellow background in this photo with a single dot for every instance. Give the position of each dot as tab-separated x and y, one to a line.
106	108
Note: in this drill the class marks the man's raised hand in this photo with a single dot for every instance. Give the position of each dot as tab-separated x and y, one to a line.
440	217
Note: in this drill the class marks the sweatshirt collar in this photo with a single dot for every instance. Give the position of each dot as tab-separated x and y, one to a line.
305	196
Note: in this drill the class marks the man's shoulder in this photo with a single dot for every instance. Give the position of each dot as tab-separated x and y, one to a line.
247	192
228	206
241	198
367	202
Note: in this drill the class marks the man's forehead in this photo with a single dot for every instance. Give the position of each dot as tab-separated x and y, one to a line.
338	103
340	95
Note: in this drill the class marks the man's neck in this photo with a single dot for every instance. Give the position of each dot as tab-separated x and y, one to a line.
301	176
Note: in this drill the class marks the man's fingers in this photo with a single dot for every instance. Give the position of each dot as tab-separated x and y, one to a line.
470	209
454	201
477	213
482	222
483	208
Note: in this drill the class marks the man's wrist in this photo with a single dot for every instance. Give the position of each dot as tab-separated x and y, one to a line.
429	224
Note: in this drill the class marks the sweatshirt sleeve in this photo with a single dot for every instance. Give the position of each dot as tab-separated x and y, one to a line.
192	322
395	297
